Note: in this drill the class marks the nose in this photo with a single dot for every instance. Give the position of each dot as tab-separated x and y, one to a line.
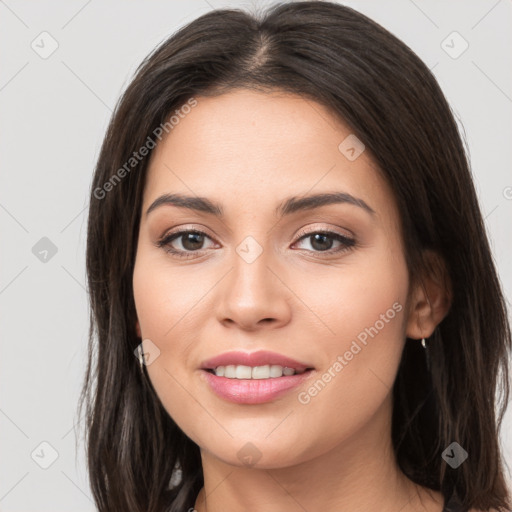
254	294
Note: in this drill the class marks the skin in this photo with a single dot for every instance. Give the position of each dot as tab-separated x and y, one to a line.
249	151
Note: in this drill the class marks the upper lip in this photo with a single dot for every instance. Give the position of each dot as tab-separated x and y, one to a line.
259	358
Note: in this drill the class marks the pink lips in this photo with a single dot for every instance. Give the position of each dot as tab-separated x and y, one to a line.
253	391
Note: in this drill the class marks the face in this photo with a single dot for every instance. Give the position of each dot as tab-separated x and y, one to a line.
325	285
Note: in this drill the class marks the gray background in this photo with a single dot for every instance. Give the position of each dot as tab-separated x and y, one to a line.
54	114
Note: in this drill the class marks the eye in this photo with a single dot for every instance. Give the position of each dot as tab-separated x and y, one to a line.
192	241
323	241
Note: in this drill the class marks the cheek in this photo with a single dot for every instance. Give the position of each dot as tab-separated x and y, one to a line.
165	298
364	308
363	298
168	303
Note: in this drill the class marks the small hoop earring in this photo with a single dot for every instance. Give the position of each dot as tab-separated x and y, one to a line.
140	354
427	355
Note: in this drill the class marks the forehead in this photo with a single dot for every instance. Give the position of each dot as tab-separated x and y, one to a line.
246	147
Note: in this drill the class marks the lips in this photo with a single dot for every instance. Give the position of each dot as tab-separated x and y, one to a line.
260	358
253	392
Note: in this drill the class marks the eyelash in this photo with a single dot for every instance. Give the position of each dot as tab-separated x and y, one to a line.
164	242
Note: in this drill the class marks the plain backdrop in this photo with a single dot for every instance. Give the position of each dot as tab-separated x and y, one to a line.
55	108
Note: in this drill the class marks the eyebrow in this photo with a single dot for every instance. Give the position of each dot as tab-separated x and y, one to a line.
287	207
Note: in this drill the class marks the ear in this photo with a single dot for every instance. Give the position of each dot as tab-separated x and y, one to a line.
137	329
431	298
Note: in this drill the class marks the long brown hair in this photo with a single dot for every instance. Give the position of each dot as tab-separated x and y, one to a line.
335	56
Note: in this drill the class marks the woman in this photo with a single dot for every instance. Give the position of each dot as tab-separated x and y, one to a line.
284	230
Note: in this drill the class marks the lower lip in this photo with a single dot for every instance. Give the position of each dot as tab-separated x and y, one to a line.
253	391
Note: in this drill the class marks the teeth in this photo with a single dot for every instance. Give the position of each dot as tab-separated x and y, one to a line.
243	372
232	371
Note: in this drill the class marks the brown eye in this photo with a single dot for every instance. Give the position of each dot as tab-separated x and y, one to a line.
323	241
191	241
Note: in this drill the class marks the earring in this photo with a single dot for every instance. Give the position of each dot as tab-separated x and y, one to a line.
427	355
140	354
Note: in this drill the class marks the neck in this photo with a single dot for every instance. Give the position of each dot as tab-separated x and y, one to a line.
360	473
